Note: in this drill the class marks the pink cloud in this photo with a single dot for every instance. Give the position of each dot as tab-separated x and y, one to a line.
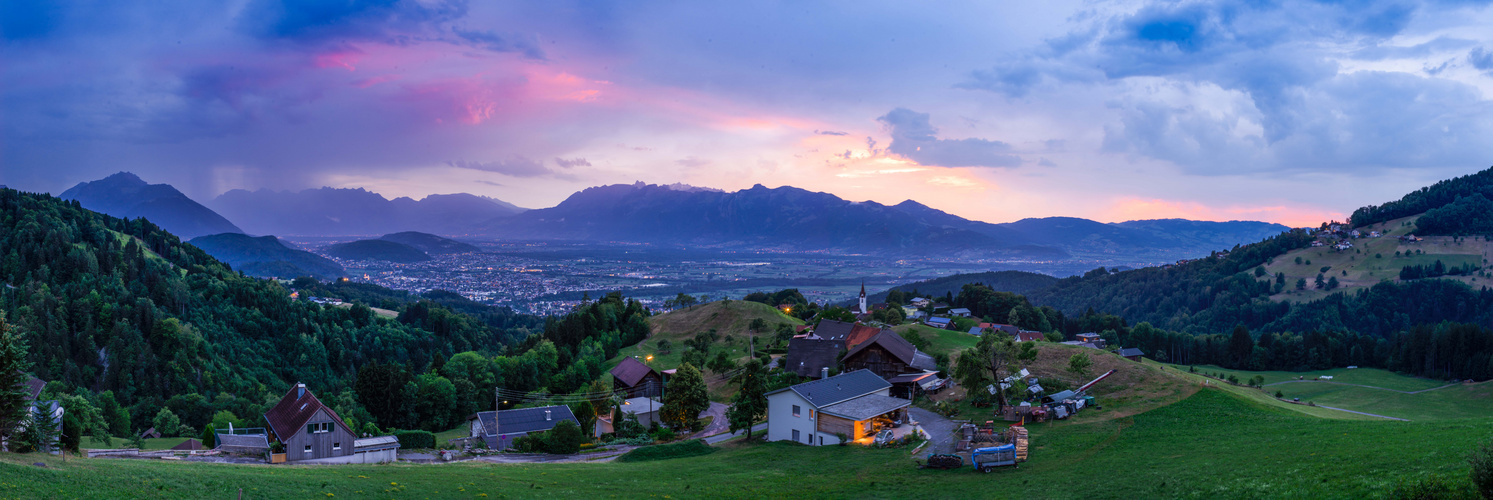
1155	208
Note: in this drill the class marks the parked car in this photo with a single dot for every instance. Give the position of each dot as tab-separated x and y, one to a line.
883	437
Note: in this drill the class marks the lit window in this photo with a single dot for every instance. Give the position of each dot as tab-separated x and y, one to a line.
811	414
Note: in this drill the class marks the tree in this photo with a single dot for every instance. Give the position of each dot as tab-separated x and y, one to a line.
750	402
13	364
166	423
1481	474
1079	364
1320	282
585	413
722	363
1241	346
565	438
209	437
1332	283
435	402
684	398
380	388
39	431
757	325
80	418
988	362
1301	283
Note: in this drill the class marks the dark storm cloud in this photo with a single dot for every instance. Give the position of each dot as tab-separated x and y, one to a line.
915	138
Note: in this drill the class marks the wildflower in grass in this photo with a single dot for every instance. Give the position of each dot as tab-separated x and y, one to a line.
391	483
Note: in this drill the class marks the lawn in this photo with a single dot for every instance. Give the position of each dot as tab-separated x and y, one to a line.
1210	445
150	444
1460	401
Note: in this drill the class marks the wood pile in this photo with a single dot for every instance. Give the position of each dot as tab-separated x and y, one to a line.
1018	435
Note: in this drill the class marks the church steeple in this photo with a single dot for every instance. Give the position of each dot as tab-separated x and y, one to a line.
863	297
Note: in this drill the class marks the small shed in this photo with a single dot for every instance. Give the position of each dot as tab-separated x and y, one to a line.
150	433
960	312
637	379
1132	353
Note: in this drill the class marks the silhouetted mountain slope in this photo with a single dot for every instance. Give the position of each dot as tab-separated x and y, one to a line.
792	218
265	256
785	218
334	212
126	195
1000	281
376	250
430	243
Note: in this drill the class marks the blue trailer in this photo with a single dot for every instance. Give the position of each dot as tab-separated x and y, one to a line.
987	459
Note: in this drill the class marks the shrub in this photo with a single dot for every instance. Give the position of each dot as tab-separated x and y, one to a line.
415	439
1433	487
664	434
691	448
1481	460
565	438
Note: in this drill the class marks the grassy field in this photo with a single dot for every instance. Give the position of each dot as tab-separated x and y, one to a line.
941	341
1212	444
1374	259
1385	396
727	318
150	444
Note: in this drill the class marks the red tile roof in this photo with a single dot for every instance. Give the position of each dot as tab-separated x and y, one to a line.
860	333
290	415
1026	336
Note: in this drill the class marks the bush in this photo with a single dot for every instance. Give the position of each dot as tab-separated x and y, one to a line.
692	448
1433	487
565	438
1481	460
633	441
415	439
664	434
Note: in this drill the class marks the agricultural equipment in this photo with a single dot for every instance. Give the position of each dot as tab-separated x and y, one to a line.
1091	383
987	459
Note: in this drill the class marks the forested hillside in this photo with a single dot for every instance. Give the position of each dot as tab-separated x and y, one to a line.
117	305
1456	206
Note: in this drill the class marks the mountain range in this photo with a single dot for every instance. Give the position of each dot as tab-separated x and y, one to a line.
790	218
126	195
347	212
759	218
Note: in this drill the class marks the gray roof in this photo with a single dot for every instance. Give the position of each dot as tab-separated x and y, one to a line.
975	330
1131	351
807	357
376	443
244	440
833	330
524	419
866	407
842	387
1060	396
640	405
899	347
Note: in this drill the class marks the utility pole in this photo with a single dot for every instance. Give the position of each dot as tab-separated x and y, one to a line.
497	406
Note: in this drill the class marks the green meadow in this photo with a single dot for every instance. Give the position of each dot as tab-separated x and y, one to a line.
1213	444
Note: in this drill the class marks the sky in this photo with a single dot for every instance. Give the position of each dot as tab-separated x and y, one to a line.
1285	111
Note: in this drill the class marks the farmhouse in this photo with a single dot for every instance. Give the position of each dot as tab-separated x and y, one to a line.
855	405
860	334
937	322
1132	353
499	429
888	355
33	387
637	379
1029	336
811	357
960	312
309	429
645	409
1092	338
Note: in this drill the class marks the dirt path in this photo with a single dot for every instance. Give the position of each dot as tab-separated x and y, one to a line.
1368	414
1453	384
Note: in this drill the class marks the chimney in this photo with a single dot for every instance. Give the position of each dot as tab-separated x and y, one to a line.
300	390
824	372
546	415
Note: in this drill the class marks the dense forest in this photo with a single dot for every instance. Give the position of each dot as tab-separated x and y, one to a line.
126	316
1446	198
1205	295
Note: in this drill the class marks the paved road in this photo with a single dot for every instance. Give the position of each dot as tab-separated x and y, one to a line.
940	430
1365	386
718	425
756	430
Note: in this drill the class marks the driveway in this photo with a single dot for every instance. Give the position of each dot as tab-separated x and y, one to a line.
941	431
757	431
717	425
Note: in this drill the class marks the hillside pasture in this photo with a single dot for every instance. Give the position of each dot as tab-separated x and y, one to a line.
1373	260
1209	445
1369	390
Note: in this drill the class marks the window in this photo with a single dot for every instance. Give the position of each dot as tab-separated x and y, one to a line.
336	446
795	435
811	414
308	448
319	428
795	413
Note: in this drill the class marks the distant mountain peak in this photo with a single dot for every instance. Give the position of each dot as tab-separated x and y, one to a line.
122	178
125	194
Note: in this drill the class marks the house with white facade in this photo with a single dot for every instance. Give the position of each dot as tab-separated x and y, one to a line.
855	405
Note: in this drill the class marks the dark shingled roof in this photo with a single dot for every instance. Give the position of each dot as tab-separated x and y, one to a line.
839	388
866	407
290	415
899	347
630	371
524	419
833	330
34	386
807	357
188	445
1131	351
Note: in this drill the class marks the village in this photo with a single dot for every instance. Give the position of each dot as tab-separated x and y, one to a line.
858	382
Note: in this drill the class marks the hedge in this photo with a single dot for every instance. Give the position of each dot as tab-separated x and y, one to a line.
415	439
